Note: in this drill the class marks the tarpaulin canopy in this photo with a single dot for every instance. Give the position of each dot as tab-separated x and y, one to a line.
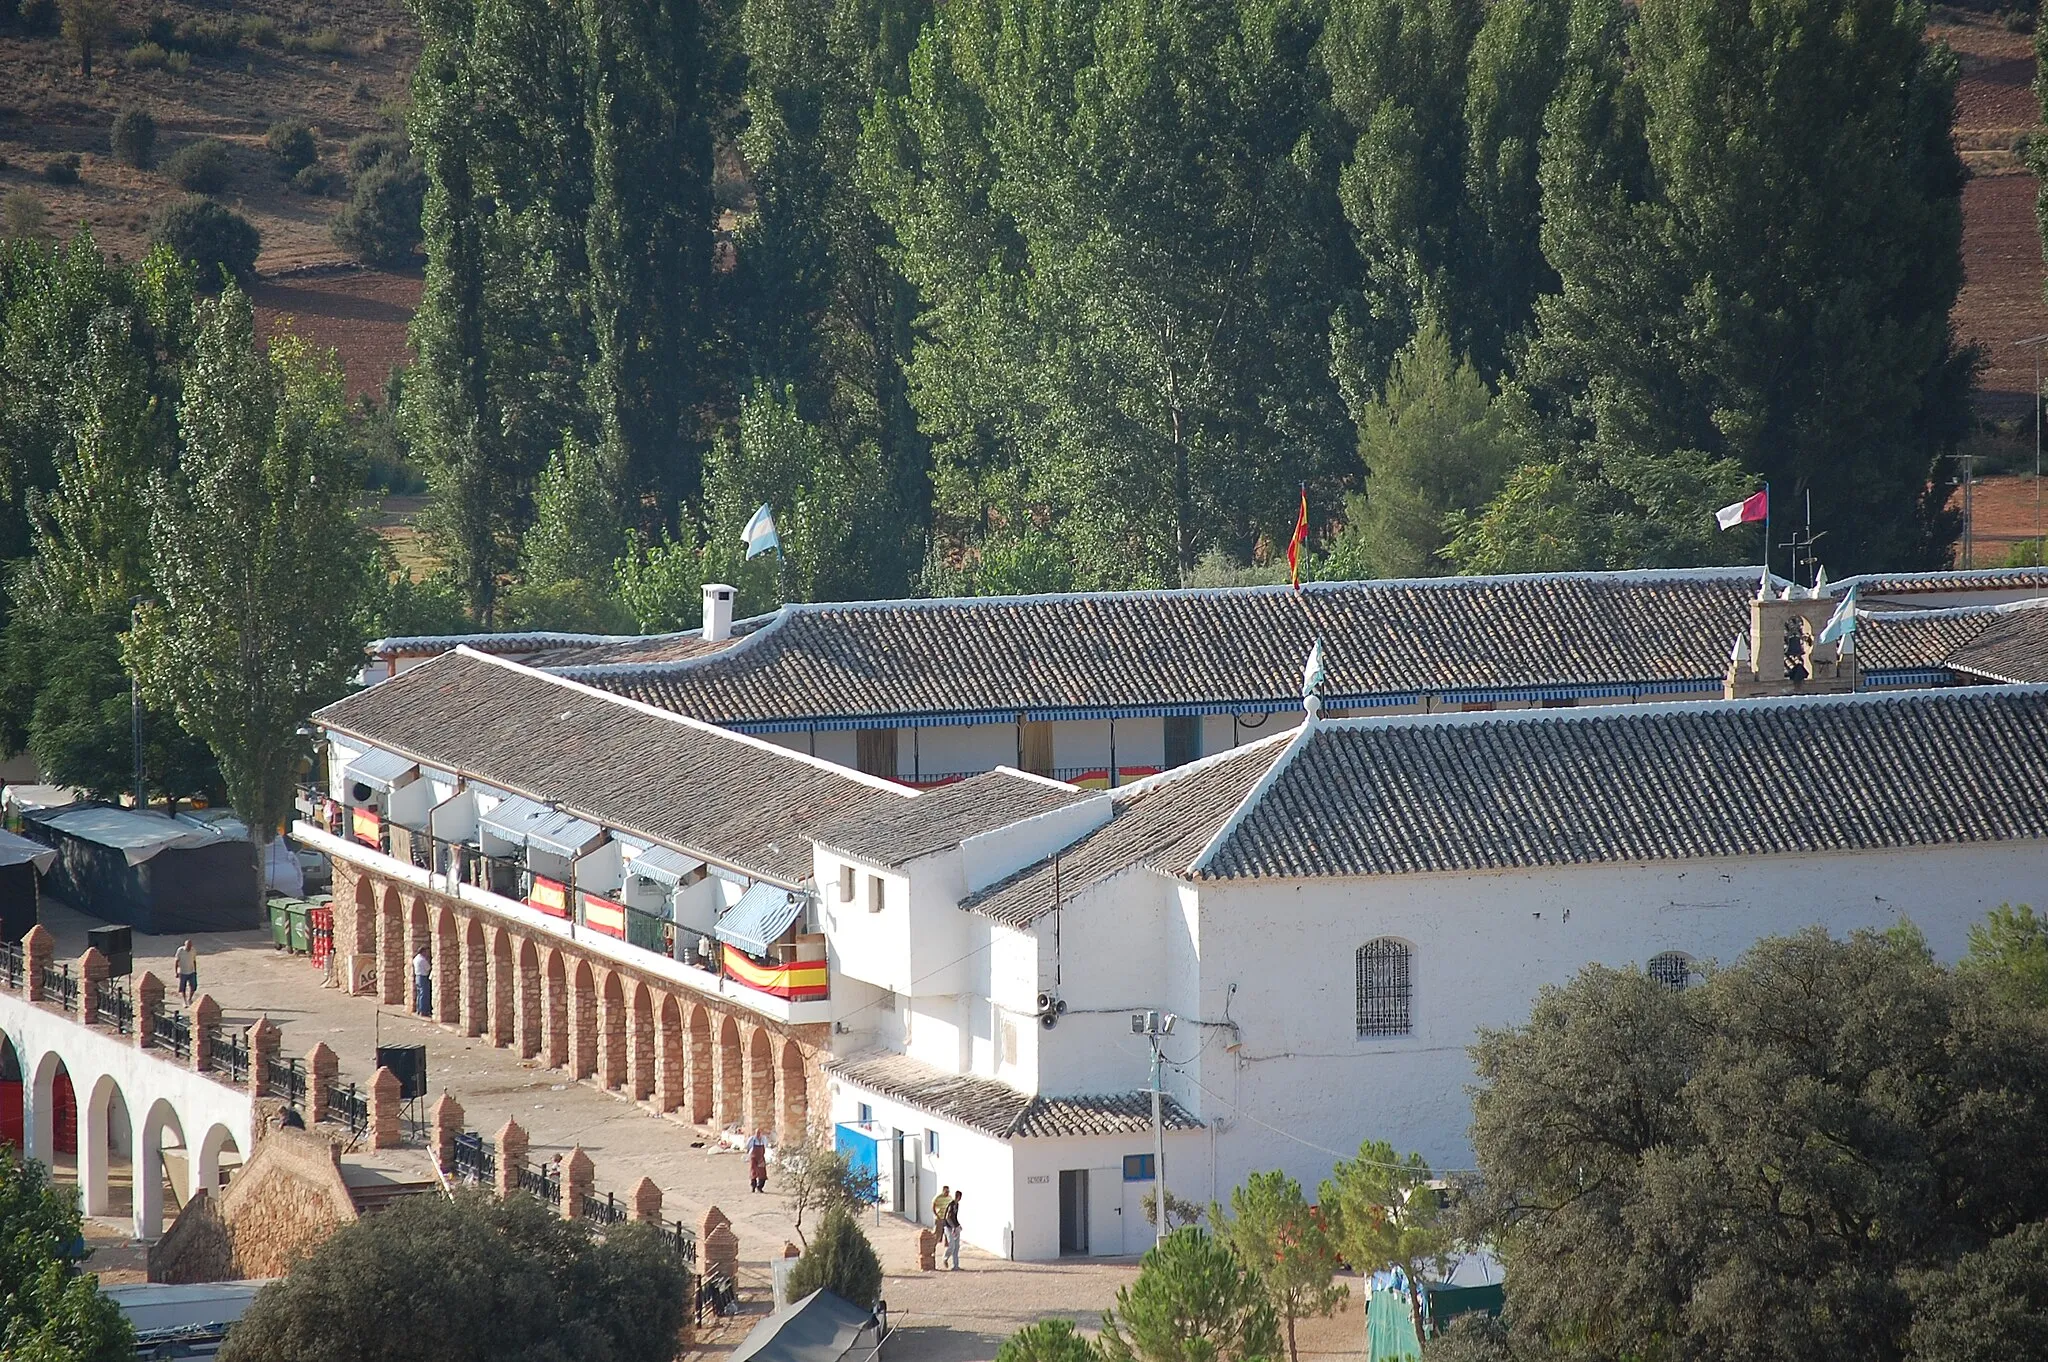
664	866
821	1327
761	916
378	770
137	836
15	850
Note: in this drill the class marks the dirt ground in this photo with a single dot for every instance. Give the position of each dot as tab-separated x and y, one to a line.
360	314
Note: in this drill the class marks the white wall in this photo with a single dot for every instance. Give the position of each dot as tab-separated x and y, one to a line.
1484	945
955	748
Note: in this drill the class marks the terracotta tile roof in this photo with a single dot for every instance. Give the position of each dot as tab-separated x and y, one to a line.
2013	647
717	795
513	643
944	817
1163	822
997	1109
1053	656
1915	640
1666	782
1969	579
640	652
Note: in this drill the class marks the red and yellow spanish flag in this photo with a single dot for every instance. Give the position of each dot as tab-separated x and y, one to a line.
1294	544
549	896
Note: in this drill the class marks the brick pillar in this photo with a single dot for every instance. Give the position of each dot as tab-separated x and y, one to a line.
646	1198
322	1067
205	1017
511	1157
38	949
447	1125
92	969
264	1038
713	1218
384	1105
720	1250
149	1002
579	1175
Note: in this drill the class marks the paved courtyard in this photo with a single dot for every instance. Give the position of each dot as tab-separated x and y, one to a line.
944	1317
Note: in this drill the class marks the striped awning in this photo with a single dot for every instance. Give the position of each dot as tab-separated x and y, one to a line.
565	835
378	770
761	916
664	866
514	818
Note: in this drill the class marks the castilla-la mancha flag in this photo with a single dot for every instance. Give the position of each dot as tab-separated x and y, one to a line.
1745	511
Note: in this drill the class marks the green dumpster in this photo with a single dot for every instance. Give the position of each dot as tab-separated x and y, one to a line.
280	925
301	939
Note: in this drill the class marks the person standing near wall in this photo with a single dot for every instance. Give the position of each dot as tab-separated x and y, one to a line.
423	984
953	1233
185	964
757	1161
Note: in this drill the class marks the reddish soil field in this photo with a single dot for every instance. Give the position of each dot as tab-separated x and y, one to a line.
2002	299
360	314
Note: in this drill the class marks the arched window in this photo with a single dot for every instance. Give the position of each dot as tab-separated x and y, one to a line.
1384	988
1673	969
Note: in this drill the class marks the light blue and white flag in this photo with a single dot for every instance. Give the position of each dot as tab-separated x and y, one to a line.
1312	671
760	535
1841	626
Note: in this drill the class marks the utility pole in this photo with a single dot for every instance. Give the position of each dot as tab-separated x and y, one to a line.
1155	1026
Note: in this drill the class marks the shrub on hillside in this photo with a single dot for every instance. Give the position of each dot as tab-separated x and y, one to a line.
381	223
291	142
134	138
211	237
373	147
146	57
62	169
201	166
316	179
22	216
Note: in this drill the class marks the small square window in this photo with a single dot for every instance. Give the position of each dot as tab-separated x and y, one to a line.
931	1143
1138	1168
866	1114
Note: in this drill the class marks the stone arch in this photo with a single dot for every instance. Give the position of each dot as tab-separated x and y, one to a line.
13	1094
702	1083
640	1044
206	1170
52	1115
103	1127
362	923
392	974
150	1134
447	969
729	1082
417	937
669	1074
555	1025
612	1033
503	990
529	1013
760	1080
476	986
582	1021
794	1105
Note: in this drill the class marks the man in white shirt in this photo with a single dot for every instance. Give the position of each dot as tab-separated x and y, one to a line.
423	984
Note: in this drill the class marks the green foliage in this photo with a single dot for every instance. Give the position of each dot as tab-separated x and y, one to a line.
839	1260
1435	444
260	567
219	243
133	138
1992	1305
381	223
147	56
1193	1301
818	1177
200	166
576	534
1272	1228
291	144
2009	955
62	169
661	585
48	1311
1791	1140
88	24
373	148
1047	1340
23	216
401	605
471	1279
1383	1214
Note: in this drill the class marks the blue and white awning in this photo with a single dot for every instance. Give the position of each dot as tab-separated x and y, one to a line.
760	918
664	866
514	818
565	835
379	770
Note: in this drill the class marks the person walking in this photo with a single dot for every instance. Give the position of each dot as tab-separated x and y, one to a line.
423	984
953	1233
185	964
757	1161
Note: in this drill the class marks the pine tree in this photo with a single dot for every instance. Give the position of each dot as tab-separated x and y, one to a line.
1193	1301
1272	1228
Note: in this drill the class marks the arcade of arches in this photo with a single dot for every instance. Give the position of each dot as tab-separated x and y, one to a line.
676	1051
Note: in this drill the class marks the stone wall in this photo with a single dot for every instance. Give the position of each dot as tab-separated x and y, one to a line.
288	1198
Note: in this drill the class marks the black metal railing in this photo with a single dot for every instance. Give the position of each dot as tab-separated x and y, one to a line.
285	1078
115	1008
717	1294
173	1030
227	1055
474	1159
681	1239
414	1126
348	1106
59	987
603	1210
543	1180
10	963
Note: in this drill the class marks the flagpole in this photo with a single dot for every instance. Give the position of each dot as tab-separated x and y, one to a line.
1767	530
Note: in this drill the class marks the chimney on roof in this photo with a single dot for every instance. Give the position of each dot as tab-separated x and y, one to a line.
717	612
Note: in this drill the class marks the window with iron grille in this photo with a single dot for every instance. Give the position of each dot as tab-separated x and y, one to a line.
1384	988
1673	969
